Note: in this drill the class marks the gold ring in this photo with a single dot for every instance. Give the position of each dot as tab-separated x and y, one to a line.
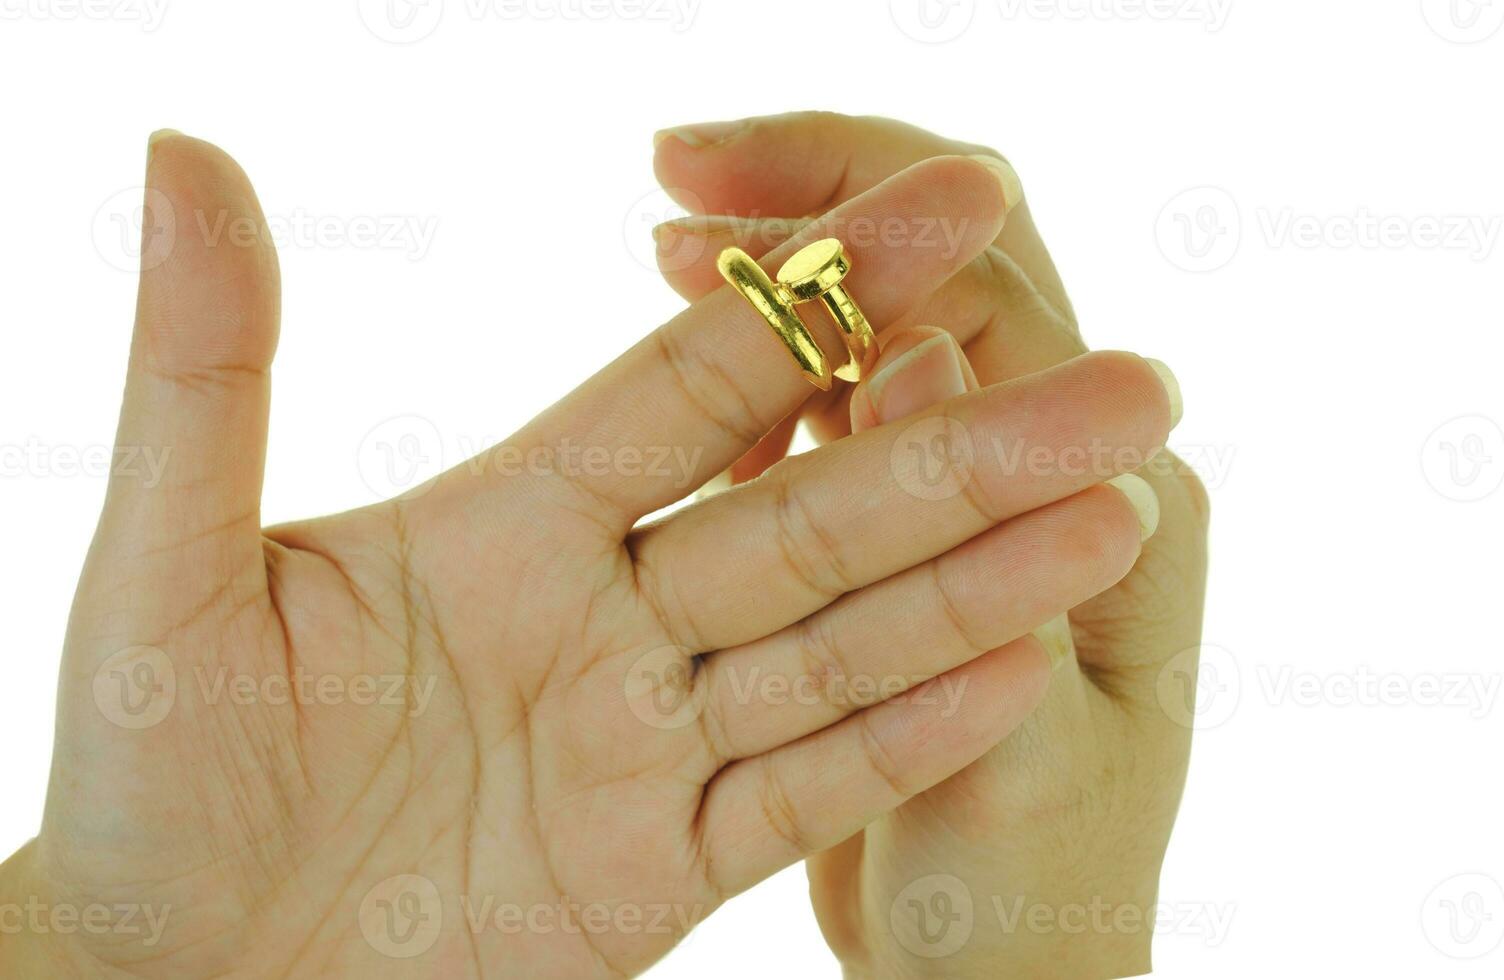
814	272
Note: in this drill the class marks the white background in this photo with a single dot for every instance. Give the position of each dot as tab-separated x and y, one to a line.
1203	172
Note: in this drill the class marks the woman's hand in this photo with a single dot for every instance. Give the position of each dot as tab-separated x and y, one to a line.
1073	812
494	727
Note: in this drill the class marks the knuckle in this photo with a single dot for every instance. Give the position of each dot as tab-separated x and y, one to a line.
986	492
820	655
665	603
709	389
959	610
714	728
881	760
809	550
778	809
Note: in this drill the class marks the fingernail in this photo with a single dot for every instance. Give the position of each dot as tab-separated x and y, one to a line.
157	137
1144	500
699	135
695	224
1172	388
1055	637
924	375
718	483
1013	188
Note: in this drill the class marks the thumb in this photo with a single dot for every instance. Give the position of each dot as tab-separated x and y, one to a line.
919	367
197	392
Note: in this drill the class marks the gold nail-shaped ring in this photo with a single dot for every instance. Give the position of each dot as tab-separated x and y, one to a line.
814	272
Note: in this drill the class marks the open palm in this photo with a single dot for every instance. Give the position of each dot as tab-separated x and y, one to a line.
495	727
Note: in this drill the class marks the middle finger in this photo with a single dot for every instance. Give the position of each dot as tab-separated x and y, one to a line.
755	559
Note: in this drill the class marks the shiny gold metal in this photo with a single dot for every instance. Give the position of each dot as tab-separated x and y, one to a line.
814	272
776	307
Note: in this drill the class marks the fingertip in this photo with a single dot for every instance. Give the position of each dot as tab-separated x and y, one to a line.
1139	388
898	342
183	165
1055	640
699	136
1007	178
1142	498
980	189
210	282
680	162
158	135
925	380
680	251
863	412
894	345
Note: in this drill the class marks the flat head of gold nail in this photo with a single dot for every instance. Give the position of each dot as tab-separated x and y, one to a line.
815	269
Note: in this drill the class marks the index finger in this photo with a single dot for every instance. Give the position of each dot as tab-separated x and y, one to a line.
712	381
805	163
